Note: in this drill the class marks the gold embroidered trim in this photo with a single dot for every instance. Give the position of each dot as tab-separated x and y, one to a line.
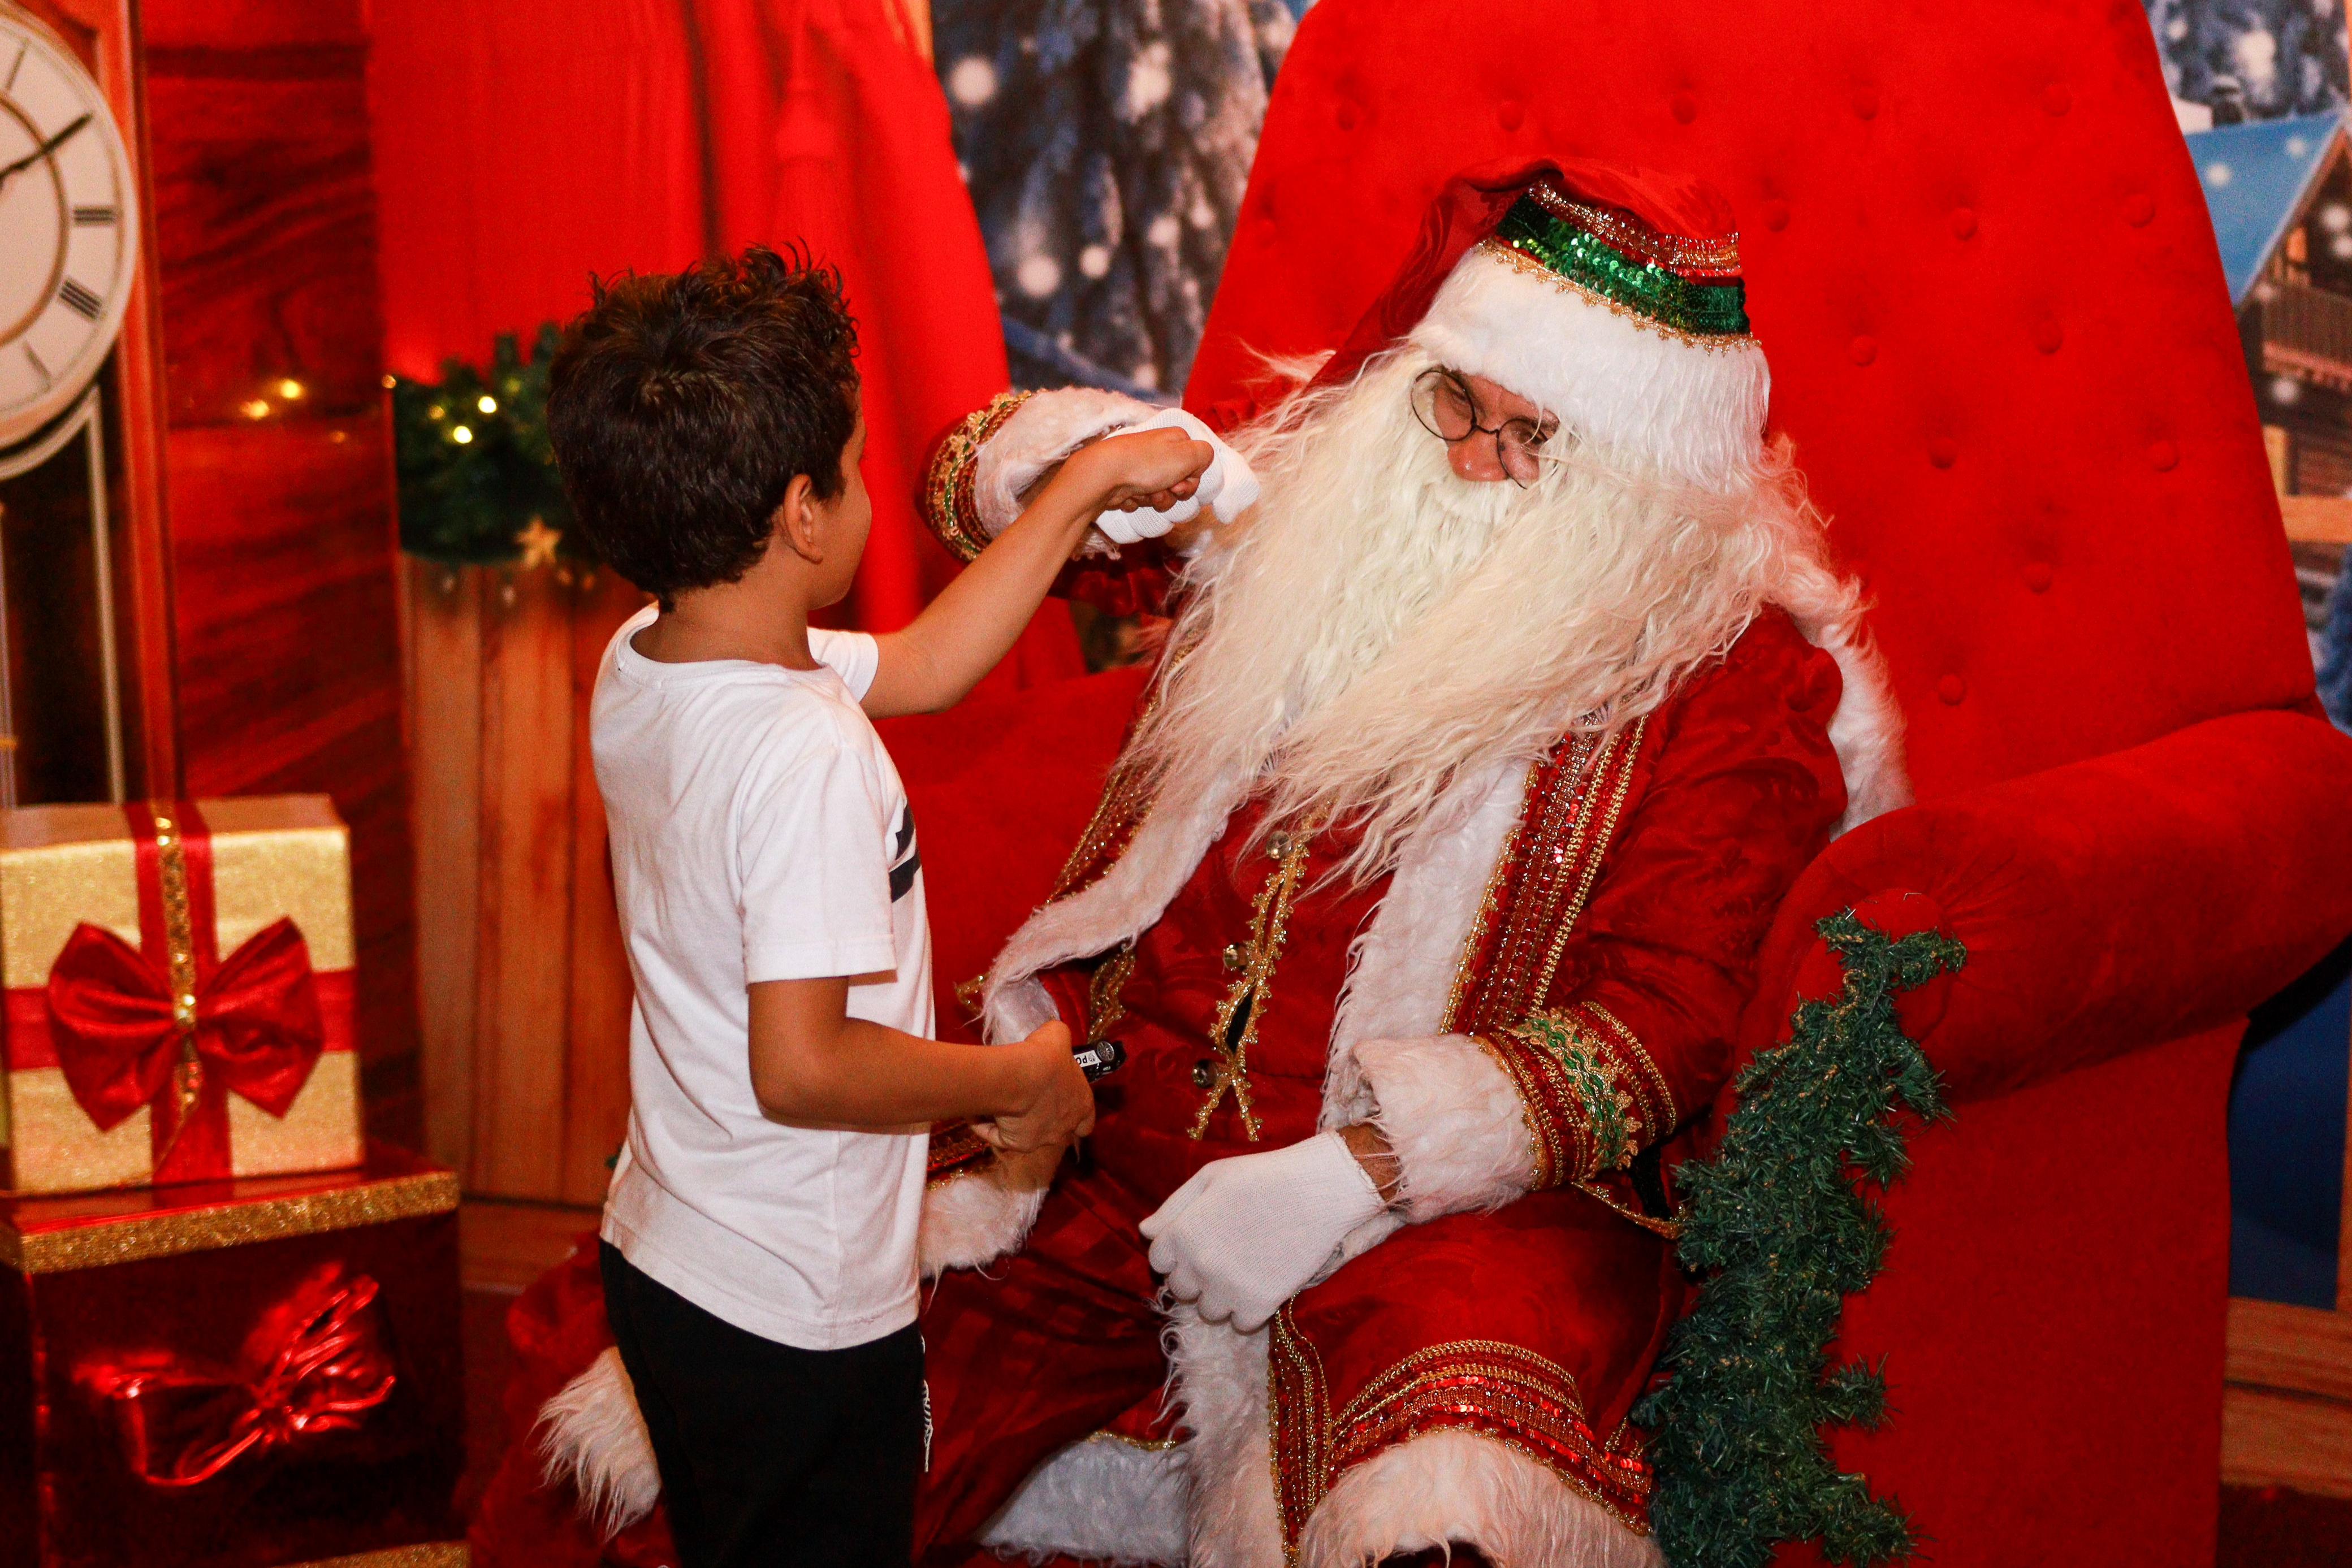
1106	1004
1718	255
1298	1427
971	995
1592	1095
1269	930
951	503
427	1555
137	1236
1599	847
1148	1445
1542	881
1546	1158
1589	1122
1520	261
1125	799
1549	842
1503	1392
430	1554
1630	1043
1651	1222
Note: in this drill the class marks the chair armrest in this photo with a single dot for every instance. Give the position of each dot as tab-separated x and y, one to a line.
2105	906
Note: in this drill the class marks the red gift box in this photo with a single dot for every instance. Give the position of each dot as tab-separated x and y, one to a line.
245	1374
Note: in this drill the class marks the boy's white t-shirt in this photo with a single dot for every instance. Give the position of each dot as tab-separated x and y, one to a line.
758	832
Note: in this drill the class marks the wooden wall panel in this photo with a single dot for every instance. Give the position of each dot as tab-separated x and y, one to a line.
445	624
282	548
526	902
526	1000
597	1045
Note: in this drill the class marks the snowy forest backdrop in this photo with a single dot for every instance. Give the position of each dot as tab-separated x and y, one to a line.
1107	142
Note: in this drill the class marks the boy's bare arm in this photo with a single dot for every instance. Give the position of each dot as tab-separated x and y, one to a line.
813	1064
961	634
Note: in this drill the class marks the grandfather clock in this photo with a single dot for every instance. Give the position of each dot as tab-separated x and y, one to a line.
69	229
199	591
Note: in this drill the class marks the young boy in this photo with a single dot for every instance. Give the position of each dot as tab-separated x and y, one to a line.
759	1238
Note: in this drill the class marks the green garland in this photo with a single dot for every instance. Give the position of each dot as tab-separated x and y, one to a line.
478	481
1777	1220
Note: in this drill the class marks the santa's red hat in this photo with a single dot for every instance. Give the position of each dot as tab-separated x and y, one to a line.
1611	296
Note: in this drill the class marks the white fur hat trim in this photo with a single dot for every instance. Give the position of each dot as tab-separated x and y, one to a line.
1691	411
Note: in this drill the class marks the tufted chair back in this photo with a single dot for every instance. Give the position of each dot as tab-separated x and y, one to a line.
1980	262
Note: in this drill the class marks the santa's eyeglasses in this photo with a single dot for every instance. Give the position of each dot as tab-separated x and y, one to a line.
1449	410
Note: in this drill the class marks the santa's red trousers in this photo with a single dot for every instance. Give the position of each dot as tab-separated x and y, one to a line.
1051	1343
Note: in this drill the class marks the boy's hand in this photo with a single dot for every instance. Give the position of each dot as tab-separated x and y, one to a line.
1059	1104
1228	484
1032	1172
1144	469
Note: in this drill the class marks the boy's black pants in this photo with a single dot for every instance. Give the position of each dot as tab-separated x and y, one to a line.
771	1455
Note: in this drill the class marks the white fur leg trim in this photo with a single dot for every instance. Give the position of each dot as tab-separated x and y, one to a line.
1458	1488
1220	1386
592	1436
972	1219
1692	411
1046	429
1454	1119
1101	1499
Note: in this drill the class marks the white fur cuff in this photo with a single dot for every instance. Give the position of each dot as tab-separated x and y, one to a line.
969	1220
1048	427
1454	1119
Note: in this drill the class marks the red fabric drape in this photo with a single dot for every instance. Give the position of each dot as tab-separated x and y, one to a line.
523	145
519	147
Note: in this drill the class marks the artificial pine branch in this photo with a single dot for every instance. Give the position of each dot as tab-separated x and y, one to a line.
466	499
1778	1224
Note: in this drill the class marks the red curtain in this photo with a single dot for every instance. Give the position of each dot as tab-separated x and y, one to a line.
523	145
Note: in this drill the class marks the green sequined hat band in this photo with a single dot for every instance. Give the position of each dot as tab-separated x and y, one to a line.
1687	287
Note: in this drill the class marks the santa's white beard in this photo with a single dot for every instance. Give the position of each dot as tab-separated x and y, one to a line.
1376	626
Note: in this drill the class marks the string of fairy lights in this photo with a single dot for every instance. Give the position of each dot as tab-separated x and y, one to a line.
477	480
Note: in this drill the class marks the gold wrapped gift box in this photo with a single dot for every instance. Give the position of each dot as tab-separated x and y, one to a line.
143	1042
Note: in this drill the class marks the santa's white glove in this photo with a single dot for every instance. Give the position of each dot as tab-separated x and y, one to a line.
1247	1234
1227	482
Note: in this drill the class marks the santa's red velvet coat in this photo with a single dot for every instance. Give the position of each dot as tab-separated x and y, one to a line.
1541	995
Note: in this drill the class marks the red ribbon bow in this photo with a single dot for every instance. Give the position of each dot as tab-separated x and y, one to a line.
170	1025
113	1017
318	1367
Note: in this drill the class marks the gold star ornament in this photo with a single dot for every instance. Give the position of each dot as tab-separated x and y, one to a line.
538	543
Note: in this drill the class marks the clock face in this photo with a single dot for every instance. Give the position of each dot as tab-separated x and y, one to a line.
68	228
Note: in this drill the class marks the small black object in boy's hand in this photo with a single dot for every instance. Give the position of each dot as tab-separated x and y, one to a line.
1099	1059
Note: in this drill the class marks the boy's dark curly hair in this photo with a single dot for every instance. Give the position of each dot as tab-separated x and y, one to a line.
680	407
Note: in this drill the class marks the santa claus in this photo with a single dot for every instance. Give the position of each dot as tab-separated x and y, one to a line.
1422	901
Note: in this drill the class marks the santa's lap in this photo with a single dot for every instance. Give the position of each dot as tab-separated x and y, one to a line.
1467	1323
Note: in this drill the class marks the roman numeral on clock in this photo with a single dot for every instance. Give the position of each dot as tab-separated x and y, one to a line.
94	217
80	300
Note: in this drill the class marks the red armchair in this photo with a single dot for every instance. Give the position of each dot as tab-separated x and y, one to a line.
1979	260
